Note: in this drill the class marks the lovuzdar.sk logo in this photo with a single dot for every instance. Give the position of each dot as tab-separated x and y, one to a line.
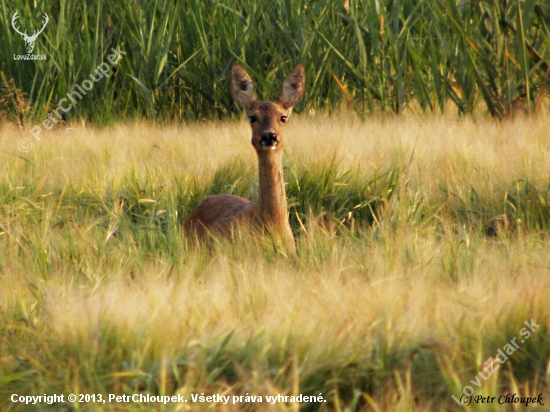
29	40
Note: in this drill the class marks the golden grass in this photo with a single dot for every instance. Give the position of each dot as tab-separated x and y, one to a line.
437	144
404	313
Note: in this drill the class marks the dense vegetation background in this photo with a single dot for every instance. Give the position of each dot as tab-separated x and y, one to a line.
373	55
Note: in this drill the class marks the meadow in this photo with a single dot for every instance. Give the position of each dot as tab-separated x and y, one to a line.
422	251
418	179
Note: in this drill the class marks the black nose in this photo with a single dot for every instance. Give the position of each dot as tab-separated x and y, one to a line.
268	139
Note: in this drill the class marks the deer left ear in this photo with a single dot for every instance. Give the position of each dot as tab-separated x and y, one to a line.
242	87
293	87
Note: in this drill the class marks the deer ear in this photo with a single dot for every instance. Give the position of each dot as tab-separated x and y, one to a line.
242	88
293	87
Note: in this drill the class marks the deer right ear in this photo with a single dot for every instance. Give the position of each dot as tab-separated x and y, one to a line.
242	88
293	87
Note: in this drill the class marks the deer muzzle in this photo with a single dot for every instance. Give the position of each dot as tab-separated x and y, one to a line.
269	141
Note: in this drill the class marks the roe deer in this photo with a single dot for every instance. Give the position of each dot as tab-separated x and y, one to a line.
218	215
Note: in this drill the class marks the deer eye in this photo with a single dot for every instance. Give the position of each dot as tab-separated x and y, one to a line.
253	119
283	119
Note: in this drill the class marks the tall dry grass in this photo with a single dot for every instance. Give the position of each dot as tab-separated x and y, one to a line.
392	306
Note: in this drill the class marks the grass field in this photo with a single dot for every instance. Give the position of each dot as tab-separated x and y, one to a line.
422	227
423	250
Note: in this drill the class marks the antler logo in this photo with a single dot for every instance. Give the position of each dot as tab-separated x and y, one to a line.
29	40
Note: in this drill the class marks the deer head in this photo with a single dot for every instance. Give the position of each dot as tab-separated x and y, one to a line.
267	119
29	40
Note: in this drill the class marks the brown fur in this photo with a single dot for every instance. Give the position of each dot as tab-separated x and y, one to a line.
219	215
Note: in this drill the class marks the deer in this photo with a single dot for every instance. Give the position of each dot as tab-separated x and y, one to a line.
218	216
29	40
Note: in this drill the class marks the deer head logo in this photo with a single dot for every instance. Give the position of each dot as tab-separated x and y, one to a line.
29	40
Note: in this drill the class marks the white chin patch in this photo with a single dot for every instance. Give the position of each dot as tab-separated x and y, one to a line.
273	147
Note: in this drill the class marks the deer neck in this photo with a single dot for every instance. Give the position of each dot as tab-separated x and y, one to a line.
271	209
